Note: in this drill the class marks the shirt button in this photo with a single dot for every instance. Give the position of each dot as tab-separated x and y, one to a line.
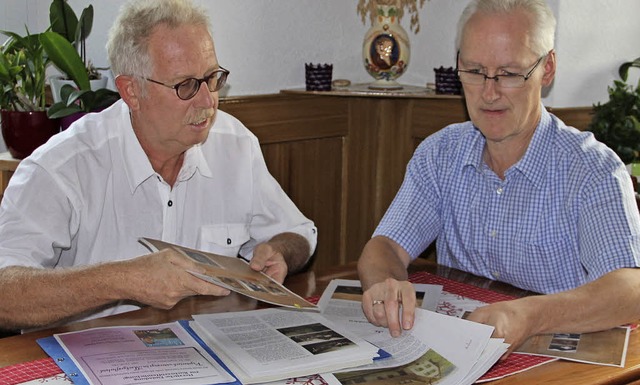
228	241
499	190
496	274
170	203
493	233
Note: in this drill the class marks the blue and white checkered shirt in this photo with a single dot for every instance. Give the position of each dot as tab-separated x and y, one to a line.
565	214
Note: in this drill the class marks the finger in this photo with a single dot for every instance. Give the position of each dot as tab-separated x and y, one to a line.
277	271
367	307
392	307
202	287
408	300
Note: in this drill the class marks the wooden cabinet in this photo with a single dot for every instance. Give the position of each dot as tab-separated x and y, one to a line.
341	156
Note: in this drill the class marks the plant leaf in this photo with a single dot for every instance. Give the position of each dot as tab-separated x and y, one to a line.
63	20
66	58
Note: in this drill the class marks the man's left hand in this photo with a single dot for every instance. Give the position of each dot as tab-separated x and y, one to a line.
270	261
512	321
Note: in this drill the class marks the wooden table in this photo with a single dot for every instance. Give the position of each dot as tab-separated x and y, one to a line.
23	348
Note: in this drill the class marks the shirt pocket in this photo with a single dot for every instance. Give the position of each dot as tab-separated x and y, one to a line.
223	239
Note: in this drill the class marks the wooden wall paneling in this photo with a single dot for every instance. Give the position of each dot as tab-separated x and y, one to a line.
379	146
362	149
316	186
434	114
302	139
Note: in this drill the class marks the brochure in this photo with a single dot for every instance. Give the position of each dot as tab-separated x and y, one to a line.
236	275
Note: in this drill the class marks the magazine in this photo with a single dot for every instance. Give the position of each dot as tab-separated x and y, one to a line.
607	347
236	275
128	355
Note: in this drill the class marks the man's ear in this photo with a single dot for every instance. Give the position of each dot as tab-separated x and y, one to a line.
549	68
129	89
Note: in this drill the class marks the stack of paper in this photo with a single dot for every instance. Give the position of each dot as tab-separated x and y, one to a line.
439	348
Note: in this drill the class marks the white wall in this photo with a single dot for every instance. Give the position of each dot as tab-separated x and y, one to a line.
265	43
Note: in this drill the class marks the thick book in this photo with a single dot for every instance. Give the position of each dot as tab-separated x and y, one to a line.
236	275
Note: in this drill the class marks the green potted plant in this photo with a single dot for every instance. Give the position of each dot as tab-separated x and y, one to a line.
84	89
616	123
25	124
78	100
64	21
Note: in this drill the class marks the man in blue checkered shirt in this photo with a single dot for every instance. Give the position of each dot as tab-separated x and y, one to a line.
514	195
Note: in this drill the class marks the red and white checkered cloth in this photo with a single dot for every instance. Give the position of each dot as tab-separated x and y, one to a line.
28	371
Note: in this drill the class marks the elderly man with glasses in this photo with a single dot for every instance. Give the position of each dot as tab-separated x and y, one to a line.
161	163
513	195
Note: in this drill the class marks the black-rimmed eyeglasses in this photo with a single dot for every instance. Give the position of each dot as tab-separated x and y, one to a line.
188	88
475	77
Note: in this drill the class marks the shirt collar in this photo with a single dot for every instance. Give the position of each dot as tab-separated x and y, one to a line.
533	163
138	167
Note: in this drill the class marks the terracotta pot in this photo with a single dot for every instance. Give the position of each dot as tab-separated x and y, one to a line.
24	131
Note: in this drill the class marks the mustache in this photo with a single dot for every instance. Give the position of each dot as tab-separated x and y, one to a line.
201	115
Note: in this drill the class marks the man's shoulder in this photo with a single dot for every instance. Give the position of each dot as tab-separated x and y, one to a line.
450	138
582	146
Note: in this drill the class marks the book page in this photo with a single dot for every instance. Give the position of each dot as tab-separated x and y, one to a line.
130	355
236	275
272	344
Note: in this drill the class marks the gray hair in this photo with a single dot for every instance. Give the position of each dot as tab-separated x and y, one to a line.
544	22
128	43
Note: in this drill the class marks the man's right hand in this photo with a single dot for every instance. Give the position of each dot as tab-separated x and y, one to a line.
391	304
161	279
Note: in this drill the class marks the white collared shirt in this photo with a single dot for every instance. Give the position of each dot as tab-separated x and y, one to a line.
88	194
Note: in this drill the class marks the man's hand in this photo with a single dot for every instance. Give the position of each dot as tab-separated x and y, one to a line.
269	260
512	321
390	304
161	279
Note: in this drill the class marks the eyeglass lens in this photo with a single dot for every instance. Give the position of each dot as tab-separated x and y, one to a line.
508	81
189	87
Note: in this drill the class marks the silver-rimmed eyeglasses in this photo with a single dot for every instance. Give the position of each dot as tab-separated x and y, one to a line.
476	78
188	88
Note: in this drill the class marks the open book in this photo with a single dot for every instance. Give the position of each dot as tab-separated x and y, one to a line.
236	275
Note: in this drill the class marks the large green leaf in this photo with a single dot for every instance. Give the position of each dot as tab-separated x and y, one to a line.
63	20
85	23
66	58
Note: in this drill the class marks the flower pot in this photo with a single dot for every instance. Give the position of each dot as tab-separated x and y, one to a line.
56	83
24	131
